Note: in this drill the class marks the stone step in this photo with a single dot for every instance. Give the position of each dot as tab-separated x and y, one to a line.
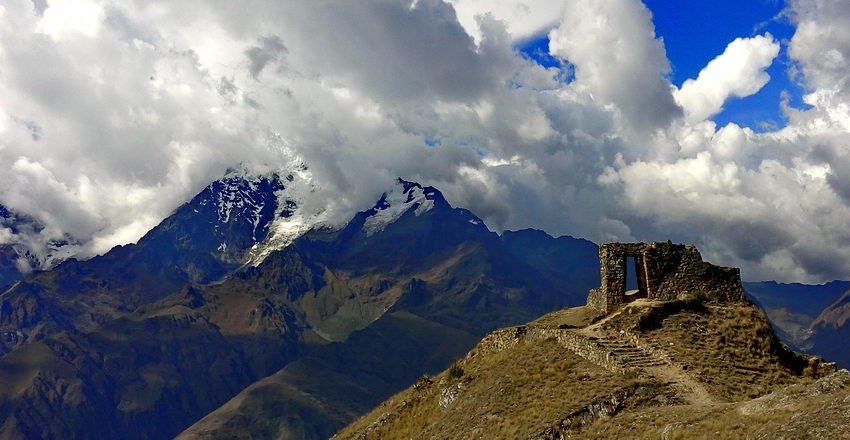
628	353
631	362
624	353
643	361
647	361
618	347
616	344
632	358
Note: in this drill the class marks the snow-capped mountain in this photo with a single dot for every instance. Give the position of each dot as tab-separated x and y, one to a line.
297	212
178	315
236	219
396	202
219	230
25	246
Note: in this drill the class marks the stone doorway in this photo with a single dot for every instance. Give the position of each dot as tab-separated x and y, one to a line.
635	277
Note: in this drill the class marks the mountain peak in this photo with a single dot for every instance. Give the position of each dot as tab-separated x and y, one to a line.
405	196
249	214
298	211
27	245
245	195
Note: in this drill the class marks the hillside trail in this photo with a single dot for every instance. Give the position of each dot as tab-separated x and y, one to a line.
666	370
689	389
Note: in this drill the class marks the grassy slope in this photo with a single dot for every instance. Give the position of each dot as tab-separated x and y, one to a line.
510	394
539	389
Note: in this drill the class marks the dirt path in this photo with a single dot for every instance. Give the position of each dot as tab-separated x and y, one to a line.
669	371
689	388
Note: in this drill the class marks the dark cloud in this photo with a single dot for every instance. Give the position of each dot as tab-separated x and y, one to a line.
40	6
270	49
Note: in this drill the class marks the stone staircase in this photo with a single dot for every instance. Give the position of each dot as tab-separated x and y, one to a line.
614	354
625	354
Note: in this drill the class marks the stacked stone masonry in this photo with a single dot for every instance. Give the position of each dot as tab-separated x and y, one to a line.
618	356
663	272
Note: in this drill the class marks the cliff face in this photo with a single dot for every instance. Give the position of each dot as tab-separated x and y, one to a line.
827	334
677	369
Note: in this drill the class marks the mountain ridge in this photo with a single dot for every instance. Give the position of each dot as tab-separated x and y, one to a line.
435	268
281	292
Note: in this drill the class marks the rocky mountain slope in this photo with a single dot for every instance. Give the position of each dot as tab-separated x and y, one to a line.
247	314
175	341
687	368
829	331
811	318
217	232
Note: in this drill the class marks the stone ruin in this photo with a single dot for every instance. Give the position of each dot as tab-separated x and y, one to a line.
663	271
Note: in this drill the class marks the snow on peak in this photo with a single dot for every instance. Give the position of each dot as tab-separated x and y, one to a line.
395	203
242	191
298	211
262	208
37	247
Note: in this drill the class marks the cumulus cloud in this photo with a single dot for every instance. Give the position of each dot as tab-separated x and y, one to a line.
618	58
822	43
115	112
738	71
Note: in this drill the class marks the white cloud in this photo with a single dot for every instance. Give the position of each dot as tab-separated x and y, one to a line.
738	71
821	43
170	94
618	58
65	17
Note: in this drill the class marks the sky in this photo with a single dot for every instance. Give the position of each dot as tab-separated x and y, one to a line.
722	124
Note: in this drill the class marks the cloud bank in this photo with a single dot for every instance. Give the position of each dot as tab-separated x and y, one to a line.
112	113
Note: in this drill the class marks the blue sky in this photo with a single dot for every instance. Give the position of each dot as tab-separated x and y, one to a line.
695	35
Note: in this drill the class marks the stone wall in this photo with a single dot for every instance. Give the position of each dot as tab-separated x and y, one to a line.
676	269
664	271
612	266
586	347
597	299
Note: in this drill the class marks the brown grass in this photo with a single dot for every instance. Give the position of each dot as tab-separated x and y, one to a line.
516	393
731	349
527	390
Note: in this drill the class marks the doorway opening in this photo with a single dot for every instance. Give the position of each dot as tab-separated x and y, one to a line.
635	279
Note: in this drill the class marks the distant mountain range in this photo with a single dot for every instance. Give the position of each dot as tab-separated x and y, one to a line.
247	313
240	284
810	318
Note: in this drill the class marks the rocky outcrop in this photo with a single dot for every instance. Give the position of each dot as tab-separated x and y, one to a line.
603	408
